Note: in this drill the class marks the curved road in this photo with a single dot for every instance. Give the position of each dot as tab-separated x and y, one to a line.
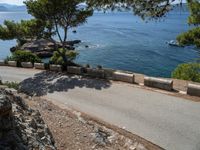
171	122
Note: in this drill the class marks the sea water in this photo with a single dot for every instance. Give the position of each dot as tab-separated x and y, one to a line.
120	40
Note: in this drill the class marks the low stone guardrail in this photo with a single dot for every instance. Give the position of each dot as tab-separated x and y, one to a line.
159	83
12	63
39	66
55	68
96	73
108	73
124	77
2	63
111	74
193	89
26	64
74	70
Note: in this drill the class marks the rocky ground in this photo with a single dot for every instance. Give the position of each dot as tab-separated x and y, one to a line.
44	48
37	123
22	128
74	130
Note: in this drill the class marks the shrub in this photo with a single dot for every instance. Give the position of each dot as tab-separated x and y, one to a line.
192	37
24	56
57	57
13	85
190	71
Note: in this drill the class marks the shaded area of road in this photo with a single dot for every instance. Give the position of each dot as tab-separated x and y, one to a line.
48	82
171	122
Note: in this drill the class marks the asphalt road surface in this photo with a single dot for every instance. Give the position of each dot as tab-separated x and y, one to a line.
170	122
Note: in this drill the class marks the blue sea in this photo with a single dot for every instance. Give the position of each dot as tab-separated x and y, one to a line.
123	41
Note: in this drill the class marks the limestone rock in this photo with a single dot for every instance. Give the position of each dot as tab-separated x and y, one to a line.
22	128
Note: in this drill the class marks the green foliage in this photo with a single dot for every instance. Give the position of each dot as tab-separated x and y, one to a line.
10	30
189	72
24	56
145	9
59	56
25	29
192	37
194	7
13	85
62	13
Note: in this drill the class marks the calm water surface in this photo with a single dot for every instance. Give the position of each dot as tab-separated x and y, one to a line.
123	41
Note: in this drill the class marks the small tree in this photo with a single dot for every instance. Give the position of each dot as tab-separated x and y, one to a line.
57	58
189	72
64	14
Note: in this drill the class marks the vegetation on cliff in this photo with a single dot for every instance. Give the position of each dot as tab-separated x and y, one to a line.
23	56
192	37
25	29
189	72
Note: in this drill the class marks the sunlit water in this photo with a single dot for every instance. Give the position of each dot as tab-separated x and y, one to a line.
123	41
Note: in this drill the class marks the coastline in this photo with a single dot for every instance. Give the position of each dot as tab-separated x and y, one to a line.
124	42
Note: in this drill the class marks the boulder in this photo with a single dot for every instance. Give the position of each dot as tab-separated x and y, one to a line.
5	106
74	70
21	127
27	65
5	113
97	73
108	73
72	43
70	47
164	84
193	89
55	67
39	66
39	45
44	48
13	49
12	63
124	77
44	54
2	63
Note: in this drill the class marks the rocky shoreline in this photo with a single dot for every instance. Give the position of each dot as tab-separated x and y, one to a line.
44	48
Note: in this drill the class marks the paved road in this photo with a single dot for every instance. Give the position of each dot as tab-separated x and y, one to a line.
171	122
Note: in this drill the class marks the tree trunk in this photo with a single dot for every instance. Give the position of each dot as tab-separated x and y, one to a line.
65	38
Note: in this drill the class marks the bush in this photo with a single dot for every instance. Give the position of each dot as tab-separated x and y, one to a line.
192	37
189	72
13	85
24	56
57	57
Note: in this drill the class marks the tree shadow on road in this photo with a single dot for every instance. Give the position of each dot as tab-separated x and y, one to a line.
49	82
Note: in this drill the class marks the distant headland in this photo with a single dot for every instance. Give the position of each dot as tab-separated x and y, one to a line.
7	7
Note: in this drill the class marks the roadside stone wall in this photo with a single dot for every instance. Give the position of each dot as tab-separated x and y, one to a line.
167	84
22	128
